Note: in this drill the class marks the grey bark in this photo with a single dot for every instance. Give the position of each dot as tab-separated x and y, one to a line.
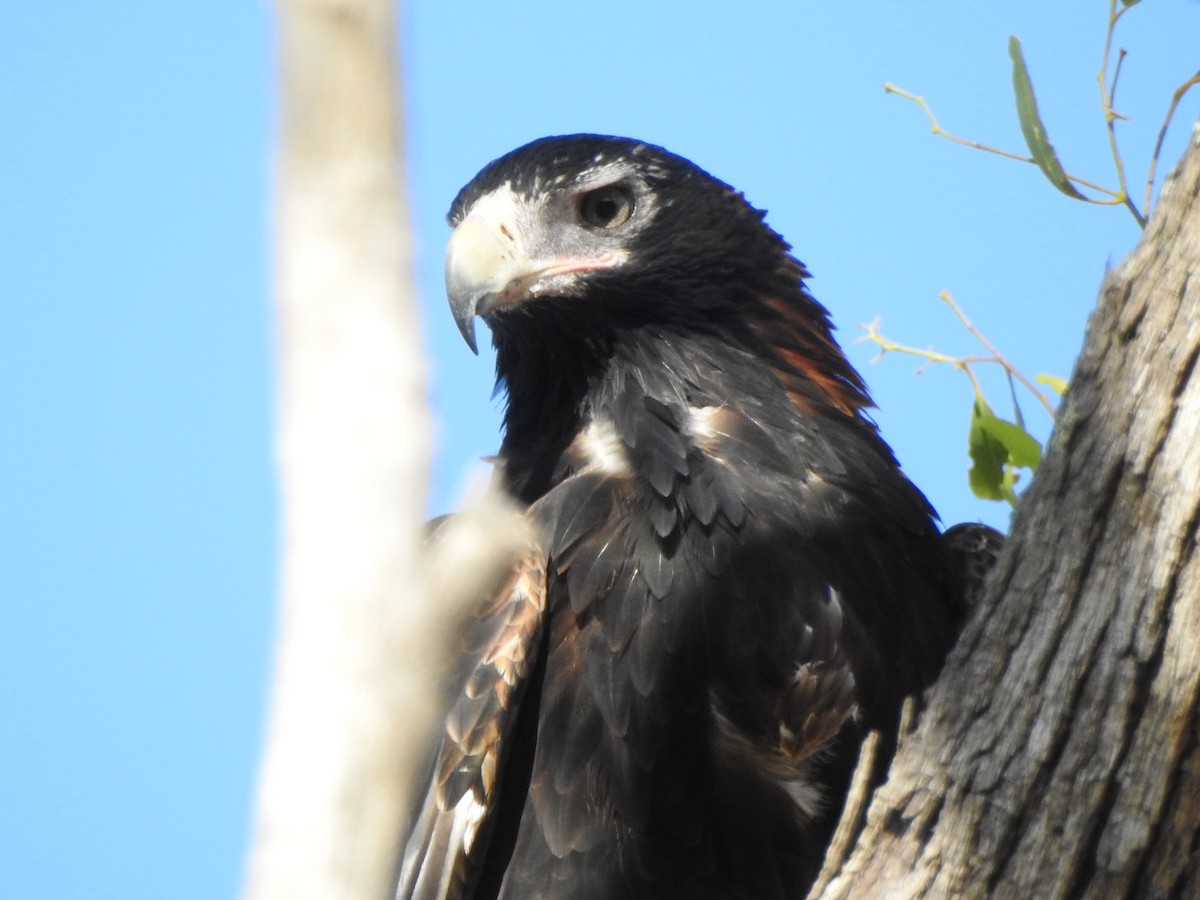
1058	756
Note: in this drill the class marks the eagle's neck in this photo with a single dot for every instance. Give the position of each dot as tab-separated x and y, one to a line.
561	363
547	365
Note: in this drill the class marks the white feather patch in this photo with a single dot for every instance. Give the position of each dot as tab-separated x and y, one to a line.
598	448
806	795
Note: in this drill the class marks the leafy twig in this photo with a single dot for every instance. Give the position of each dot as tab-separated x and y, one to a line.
1012	370
962	363
998	449
1043	155
937	129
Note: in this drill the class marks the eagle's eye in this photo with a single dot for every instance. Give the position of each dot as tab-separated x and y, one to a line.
606	207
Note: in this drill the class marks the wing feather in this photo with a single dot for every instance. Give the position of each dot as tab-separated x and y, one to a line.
448	843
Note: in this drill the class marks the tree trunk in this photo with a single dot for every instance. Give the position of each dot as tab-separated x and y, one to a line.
1059	753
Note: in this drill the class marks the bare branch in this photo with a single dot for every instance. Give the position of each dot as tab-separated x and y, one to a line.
352	674
1162	133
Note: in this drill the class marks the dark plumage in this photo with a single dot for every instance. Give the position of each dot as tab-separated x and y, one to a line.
734	580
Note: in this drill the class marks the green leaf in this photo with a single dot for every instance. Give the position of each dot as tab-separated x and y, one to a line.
1023	449
1056	384
998	449
1031	125
986	474
1130	2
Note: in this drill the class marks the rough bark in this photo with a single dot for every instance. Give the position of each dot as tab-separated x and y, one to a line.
1059	754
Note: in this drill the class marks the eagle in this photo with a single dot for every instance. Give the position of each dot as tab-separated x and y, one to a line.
730	581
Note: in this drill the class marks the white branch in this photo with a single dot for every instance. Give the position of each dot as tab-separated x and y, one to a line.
354	442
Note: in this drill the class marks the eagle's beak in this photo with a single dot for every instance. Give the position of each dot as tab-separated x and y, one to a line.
492	262
481	260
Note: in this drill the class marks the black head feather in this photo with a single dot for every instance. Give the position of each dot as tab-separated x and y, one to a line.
699	260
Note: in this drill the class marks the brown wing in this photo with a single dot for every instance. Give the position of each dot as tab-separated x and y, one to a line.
448	842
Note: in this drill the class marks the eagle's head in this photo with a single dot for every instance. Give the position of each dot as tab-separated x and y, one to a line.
588	226
577	248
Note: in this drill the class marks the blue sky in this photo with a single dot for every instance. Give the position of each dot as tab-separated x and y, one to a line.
137	485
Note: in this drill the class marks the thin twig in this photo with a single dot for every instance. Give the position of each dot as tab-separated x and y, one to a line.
931	356
1162	134
937	129
1008	366
961	363
1108	93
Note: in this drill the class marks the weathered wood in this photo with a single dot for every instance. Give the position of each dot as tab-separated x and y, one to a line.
1059	754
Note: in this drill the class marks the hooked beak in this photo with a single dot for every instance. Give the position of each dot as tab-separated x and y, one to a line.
479	263
489	266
